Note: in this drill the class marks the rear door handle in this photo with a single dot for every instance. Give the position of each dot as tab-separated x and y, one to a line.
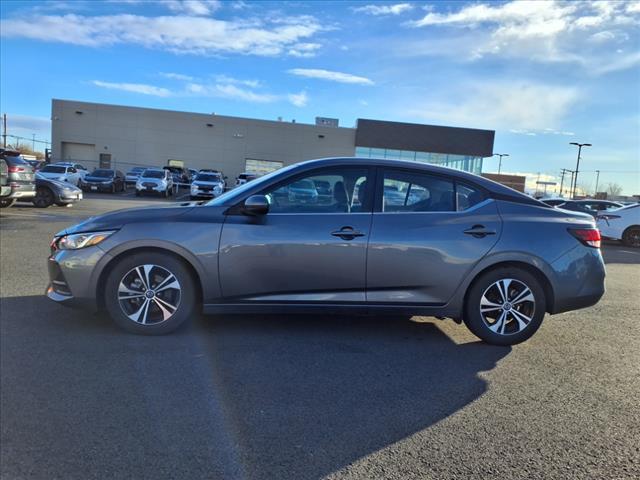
479	231
347	233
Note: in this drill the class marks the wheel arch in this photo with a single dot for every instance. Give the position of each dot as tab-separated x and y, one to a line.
115	259
532	269
624	232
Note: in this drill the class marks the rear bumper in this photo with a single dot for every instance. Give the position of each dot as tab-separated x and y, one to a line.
579	282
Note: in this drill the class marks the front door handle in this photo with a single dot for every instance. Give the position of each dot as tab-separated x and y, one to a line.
479	231
347	233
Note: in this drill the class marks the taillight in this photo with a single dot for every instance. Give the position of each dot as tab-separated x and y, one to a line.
17	169
588	236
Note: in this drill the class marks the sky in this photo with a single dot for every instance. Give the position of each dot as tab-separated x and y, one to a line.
541	74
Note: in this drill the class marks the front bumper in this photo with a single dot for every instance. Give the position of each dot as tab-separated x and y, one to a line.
96	187
154	189
71	276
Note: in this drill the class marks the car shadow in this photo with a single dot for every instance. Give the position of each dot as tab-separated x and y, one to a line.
233	396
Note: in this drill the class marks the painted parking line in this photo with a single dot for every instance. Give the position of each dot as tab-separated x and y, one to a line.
34	215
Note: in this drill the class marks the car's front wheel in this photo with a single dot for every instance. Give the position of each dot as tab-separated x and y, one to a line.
505	306
150	293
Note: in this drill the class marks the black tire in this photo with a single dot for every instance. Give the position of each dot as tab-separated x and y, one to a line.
123	271
113	188
166	193
60	204
44	198
513	331
631	237
138	193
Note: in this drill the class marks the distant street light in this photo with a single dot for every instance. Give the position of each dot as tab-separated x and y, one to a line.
575	178
500	162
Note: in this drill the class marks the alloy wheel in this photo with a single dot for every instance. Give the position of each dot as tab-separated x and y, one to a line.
507	306
149	294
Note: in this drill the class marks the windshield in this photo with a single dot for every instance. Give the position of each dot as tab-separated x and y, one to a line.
208	177
232	196
153	174
52	169
102	173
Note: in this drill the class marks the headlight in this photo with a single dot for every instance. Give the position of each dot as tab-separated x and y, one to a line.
82	240
217	189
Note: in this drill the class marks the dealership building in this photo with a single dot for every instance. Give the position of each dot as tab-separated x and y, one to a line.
120	137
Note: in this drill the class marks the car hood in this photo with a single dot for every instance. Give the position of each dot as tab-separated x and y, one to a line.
51	174
207	184
115	220
89	178
150	180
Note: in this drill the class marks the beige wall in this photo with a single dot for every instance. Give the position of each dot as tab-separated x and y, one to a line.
147	137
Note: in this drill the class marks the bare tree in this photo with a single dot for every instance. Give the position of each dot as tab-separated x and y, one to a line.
27	150
614	189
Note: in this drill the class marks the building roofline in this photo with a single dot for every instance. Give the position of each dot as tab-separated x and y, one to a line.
204	115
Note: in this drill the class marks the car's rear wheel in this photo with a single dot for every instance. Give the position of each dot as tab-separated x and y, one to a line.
7	202
505	306
150	293
631	237
44	197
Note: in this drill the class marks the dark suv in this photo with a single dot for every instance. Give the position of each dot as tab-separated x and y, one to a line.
103	180
20	178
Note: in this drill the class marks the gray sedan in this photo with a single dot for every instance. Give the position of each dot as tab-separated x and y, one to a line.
444	243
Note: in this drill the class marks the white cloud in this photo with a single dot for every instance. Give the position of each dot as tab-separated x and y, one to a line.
298	99
134	88
178	34
395	9
176	76
543	31
192	7
546	131
330	75
524	107
28	123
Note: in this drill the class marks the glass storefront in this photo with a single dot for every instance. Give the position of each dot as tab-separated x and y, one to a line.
461	162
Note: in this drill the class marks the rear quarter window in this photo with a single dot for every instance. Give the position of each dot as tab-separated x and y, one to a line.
467	196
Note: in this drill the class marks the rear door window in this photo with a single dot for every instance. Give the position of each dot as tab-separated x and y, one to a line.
404	191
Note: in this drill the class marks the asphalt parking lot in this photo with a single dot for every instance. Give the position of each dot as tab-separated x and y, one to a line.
291	397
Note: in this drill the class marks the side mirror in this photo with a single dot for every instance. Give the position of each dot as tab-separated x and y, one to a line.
256	205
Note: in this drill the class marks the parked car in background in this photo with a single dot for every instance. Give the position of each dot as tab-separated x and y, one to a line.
468	249
621	224
132	175
81	169
219	172
592	207
49	192
62	173
20	178
155	180
103	180
207	185
244	178
5	188
179	175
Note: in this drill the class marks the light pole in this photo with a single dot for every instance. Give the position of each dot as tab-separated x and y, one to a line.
597	179
575	178
500	162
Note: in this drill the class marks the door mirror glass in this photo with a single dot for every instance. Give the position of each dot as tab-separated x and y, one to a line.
256	205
